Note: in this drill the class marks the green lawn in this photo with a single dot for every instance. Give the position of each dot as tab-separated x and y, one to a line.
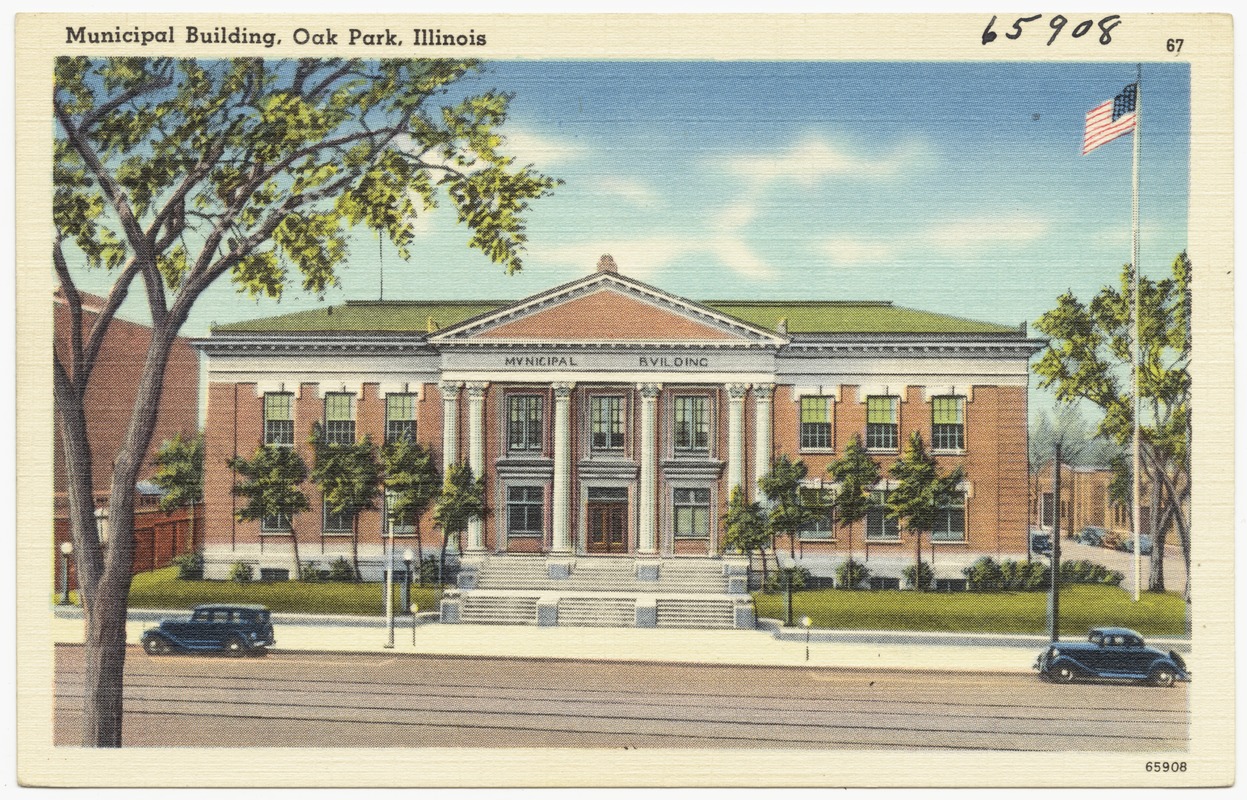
1082	607
163	589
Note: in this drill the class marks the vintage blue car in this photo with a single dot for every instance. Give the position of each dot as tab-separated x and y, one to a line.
237	630
1113	654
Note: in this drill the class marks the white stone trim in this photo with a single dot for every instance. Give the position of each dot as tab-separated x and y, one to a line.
342	387
899	390
948	390
810	390
406	387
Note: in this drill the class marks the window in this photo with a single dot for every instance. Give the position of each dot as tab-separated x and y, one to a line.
339	418
606	423
950	524
340	522
400	417
821	527
948	428
525	510
878	526
815	423
403	526
881	424
692	424
276	523
279	419
692	513
524	423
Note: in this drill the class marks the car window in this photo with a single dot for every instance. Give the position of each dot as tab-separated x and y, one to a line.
201	616
1094	637
1119	640
246	616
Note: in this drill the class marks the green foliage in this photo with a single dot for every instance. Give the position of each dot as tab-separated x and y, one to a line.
428	570
1023	576
461	499
411	478
922	571
190	566
180	472
782	486
1089	572
852	574
341	570
985	575
240	572
746	524
856	473
309	572
348	474
921	493
270	483
778	581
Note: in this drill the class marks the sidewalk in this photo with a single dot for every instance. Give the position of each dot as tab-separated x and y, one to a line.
766	646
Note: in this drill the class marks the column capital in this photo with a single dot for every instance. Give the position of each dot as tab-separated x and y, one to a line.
562	390
450	391
649	390
476	389
763	391
737	391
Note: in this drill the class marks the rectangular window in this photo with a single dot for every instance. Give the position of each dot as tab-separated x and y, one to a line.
524	429
878	526
881	423
403	526
277	523
339	418
822	527
950	525
606	423
525	510
400	417
948	428
692	513
692	424
279	419
815	423
340	522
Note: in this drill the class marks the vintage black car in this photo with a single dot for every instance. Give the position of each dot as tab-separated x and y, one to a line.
237	630
1113	654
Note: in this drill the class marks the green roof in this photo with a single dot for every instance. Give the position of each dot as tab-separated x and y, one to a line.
826	316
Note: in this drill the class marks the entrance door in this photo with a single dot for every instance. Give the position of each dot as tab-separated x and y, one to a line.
608	530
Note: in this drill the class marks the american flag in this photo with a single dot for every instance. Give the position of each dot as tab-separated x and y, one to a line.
1110	119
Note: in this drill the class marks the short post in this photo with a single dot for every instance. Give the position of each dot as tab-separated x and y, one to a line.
67	548
414	609
788	583
408	556
805	623
389	586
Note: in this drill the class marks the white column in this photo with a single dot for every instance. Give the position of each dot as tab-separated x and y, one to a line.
450	425
762	394
647	538
736	435
560	513
476	455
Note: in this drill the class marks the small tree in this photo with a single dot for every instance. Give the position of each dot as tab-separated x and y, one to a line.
349	478
856	473
412	483
462	499
922	494
746	527
782	485
270	483
180	472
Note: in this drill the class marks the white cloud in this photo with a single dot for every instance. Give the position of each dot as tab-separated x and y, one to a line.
814	159
637	192
643	257
528	147
963	237
848	250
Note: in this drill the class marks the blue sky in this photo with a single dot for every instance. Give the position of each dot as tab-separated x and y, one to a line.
951	187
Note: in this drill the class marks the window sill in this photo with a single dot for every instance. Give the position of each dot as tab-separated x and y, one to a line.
276	533
960	452
882	451
961	542
896	540
818	450
802	540
692	538
335	533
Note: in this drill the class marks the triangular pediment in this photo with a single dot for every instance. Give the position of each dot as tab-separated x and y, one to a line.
610	308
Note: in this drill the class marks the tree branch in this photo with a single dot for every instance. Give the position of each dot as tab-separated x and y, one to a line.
73	300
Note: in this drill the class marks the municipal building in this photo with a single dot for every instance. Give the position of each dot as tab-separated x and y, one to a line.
610	420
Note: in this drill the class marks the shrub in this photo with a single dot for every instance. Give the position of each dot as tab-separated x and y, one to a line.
309	571
984	575
428	570
1089	572
190	566
776	581
923	572
241	572
341	570
851	574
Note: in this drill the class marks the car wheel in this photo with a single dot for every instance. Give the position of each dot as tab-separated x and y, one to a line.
1062	674
155	646
235	646
1162	676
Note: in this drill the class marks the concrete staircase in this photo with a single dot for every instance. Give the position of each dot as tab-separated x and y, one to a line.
589	591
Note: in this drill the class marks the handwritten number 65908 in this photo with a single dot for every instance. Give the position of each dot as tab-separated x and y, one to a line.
1057	23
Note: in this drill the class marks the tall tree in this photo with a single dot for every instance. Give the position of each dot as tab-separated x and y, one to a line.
462	499
180	472
746	527
270	482
856	474
1088	358
349	478
789	511
922	495
170	173
412	483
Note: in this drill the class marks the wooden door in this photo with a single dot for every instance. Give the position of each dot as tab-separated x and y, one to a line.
608	529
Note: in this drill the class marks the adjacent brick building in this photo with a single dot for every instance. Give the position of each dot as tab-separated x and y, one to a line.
610	418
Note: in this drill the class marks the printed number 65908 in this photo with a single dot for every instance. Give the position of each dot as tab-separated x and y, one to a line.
1166	766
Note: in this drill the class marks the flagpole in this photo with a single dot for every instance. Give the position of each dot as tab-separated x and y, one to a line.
1134	367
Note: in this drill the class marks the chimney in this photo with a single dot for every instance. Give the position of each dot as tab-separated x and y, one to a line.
782	325
607	264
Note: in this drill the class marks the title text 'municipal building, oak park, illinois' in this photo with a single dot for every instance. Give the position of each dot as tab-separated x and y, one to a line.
610	421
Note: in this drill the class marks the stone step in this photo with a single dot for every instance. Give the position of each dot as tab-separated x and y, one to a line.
496	610
597	613
695	614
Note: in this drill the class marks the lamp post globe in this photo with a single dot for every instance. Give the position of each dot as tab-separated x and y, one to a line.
67	548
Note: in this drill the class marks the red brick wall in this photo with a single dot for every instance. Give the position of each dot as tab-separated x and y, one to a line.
158	537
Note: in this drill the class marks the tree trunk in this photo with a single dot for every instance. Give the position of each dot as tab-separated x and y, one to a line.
918	560
105	658
419	553
1156	576
441	564
294	541
355	543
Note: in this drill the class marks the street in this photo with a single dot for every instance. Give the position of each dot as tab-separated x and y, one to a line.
307	699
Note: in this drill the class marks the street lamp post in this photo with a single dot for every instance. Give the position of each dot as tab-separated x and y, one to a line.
389	585
408	557
67	549
805	623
